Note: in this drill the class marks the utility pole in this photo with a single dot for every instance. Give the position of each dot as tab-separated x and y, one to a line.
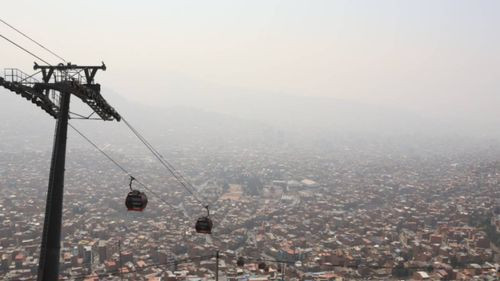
217	265
283	271
52	94
120	258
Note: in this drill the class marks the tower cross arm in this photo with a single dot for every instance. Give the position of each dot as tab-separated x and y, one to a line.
89	94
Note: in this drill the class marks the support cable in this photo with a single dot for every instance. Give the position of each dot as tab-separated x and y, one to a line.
121	167
180	178
22	48
165	163
32	40
155	151
148	145
162	160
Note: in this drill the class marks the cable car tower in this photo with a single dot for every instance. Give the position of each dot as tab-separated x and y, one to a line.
52	94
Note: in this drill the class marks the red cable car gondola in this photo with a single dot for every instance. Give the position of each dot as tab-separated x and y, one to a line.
204	224
136	200
240	262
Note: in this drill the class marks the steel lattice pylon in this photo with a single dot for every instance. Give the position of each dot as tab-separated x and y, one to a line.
52	94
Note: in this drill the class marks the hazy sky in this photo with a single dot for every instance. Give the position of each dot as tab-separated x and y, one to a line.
426	56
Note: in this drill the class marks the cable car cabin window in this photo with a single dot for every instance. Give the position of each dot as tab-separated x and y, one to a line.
136	201
204	225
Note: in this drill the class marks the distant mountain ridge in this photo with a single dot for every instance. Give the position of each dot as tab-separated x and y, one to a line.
22	122
253	119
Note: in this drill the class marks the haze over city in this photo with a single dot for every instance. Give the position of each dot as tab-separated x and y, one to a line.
434	61
331	140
